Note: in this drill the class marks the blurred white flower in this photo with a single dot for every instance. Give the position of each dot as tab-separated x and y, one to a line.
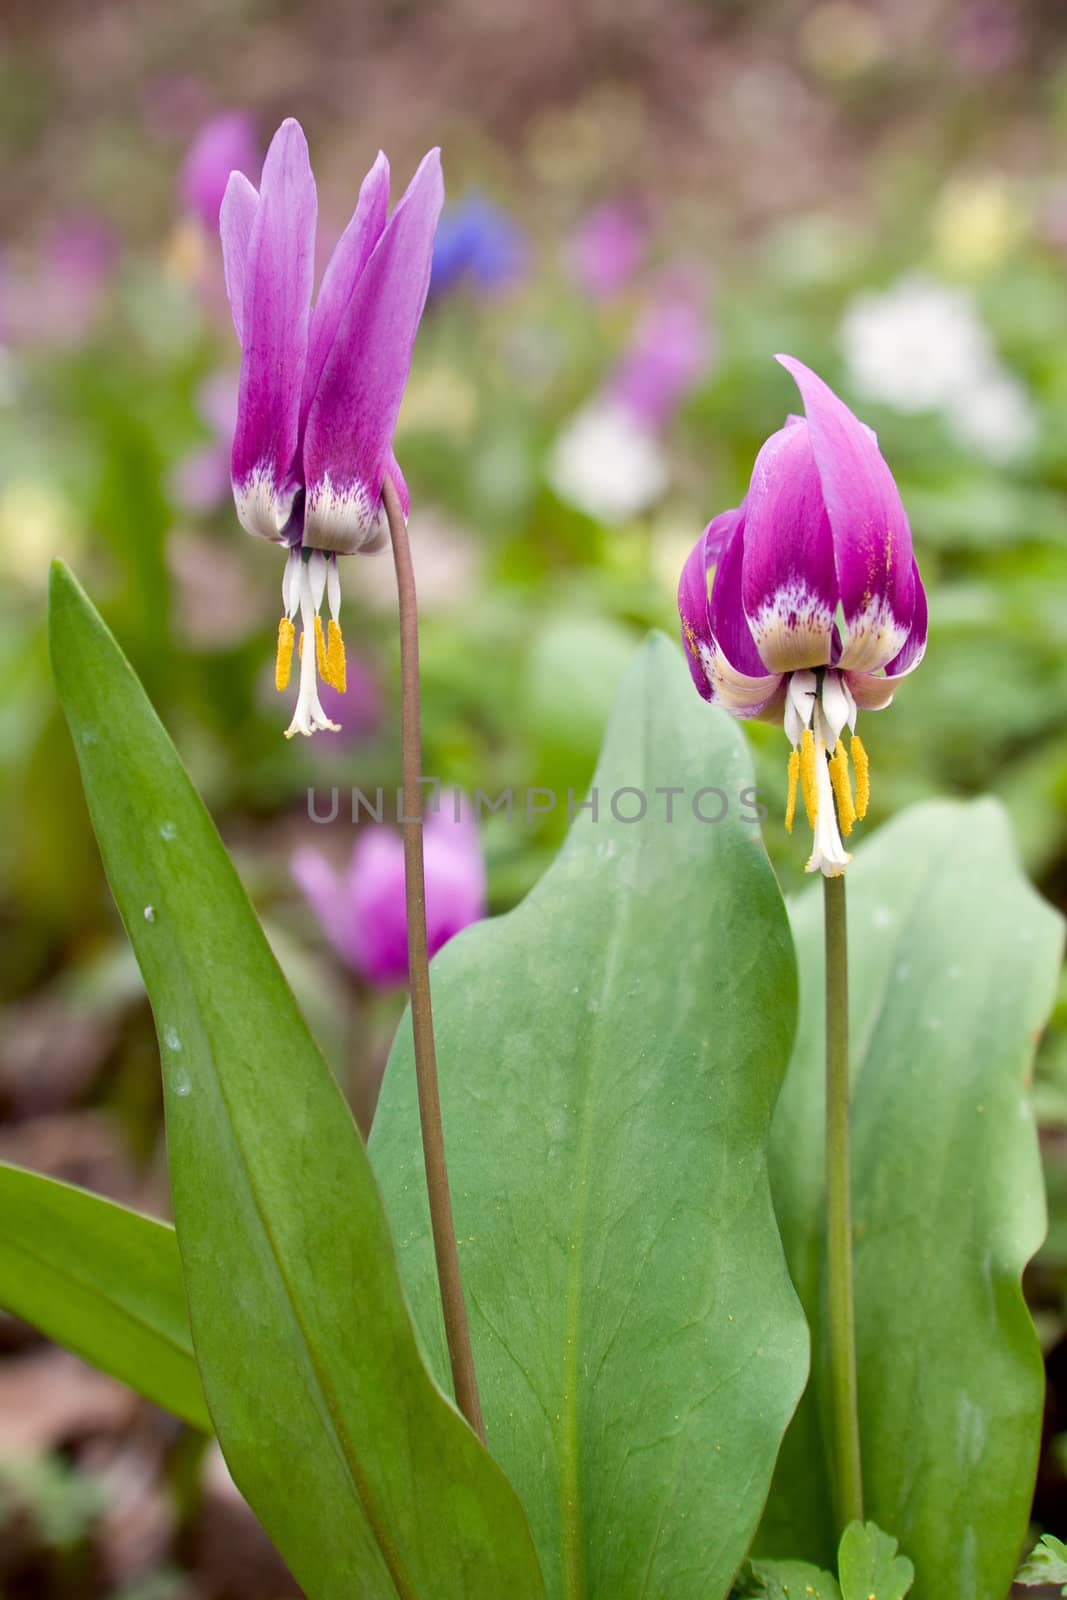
921	346
606	464
995	418
912	345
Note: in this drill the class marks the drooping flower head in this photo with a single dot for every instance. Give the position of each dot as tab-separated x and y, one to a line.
816	609
321	385
362	909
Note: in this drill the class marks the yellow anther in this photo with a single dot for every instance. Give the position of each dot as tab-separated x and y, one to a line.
791	802
320	649
808	786
846	810
863	775
335	673
284	659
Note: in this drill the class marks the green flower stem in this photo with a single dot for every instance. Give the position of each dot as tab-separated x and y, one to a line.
844	1404
457	1330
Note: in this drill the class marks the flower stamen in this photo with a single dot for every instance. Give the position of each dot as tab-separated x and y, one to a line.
283	661
791	802
861	762
846	810
336	672
808	784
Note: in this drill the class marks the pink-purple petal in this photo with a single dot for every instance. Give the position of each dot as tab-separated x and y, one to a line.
326	892
738	675
873	691
455	870
348	440
276	305
914	647
693	610
343	272
788	578
376	899
392	470
237	215
871	537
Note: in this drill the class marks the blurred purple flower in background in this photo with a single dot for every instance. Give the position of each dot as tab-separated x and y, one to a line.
361	910
608	461
226	143
54	300
988	38
200	481
607	248
479	244
360	709
668	354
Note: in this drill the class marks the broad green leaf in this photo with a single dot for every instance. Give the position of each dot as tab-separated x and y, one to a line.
786	1580
1046	1564
953	968
869	1567
610	1056
104	1281
365	1476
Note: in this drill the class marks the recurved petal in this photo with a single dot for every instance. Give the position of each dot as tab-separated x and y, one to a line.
874	690
914	647
348	441
276	305
738	676
237	214
344	270
871	537
788	578
693	606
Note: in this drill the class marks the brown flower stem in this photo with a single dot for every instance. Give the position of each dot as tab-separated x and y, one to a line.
457	1330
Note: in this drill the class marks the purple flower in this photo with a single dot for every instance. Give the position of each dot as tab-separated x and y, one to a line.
55	299
608	461
816	609
362	910
200	481
321	387
668	354
225	144
476	243
607	248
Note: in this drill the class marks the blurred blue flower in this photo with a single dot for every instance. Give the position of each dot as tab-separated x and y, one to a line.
477	243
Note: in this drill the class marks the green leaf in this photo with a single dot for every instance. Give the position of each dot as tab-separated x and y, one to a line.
1046	1564
953	962
869	1567
365	1476
786	1580
104	1281
610	1056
